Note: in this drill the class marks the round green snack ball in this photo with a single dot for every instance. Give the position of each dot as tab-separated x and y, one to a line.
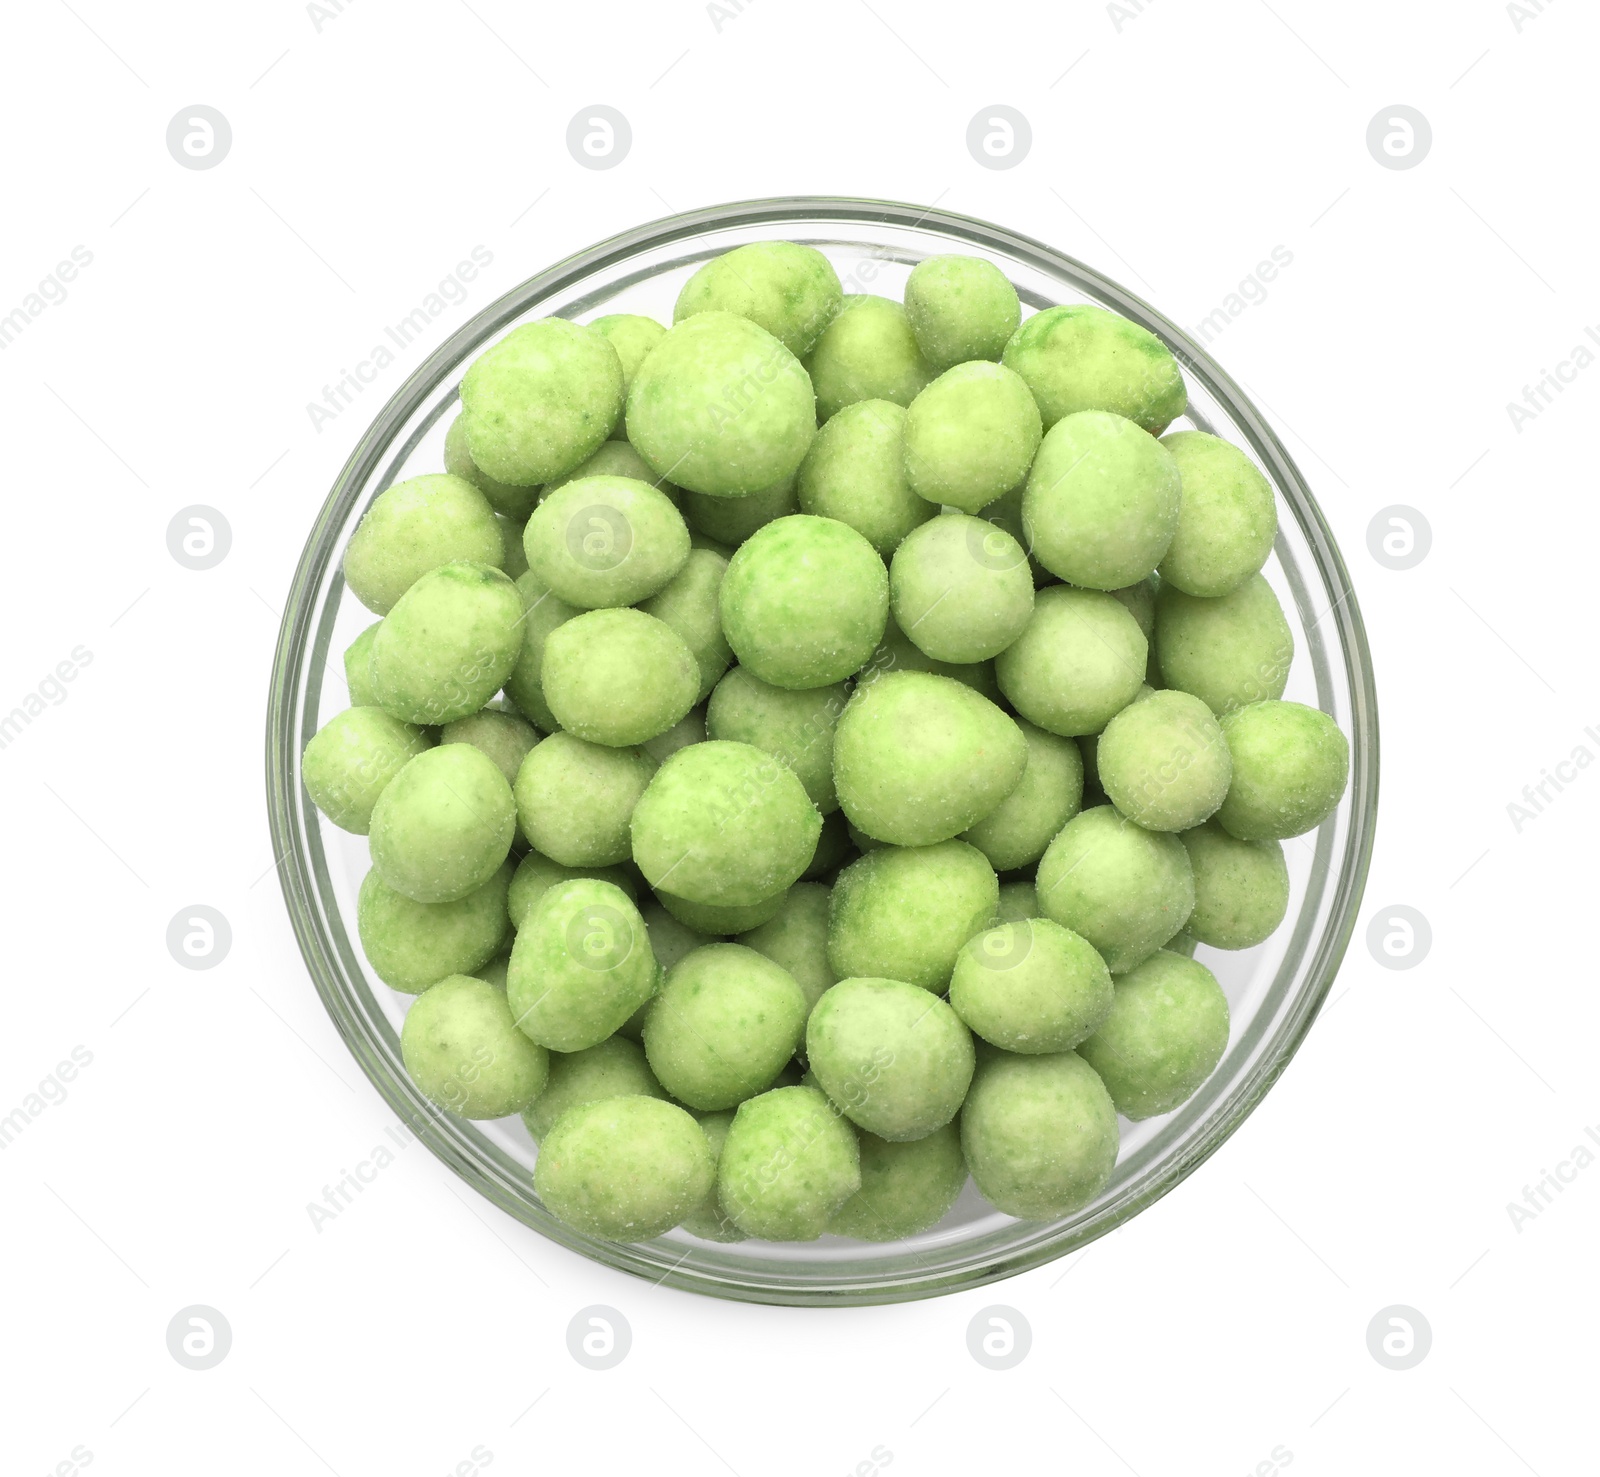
466	1054
1102	501
1166	1032
1078	664
1124	889
541	400
729	521
413	527
1228	651
788	1163
443	825
1018	900
633	336
1050	793
1031	987
906	1187
580	967
893	1058
616	459
794	726
1164	763
722	407
724	823
542	612
1005	513
358	668
961	589
411	946
790	290
1241	888
625	1168
855	472
1139	600
796	939
575	799
688	603
536	875
961	308
970	436
494	972
611	1068
897	653
1227	518
669	942
503	497
1079	357
351	759
709	1221
606	541
726	1022
716	920
618	677
448	645
868	352
804	602
1039	1134
919	759
834	848
515	558
1290	766
503	736
903	913
689	729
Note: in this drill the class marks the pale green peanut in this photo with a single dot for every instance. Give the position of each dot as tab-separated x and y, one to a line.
906	1187
709	1221
1241	888
351	759
411	946
618	677
543	611
358	668
505	498
1005	513
960	589
504	736
834	848
970	436
443	825
1078	664
606	541
729	521
610	1068
1290	767
1163	762
896	652
689	729
1031	987
536	875
717	920
633	336
1018	900
416	526
797	939
794	726
788	1163
868	352
960	308
575	799
514	557
466	1054
669	942
1228	651
617	459
790	290
855	472
494	972
688	603
1227	519
1015	833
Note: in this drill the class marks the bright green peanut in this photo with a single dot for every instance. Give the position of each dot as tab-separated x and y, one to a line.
960	308
960	589
416	526
1241	888
1227	519
536	875
574	799
541	400
466	1054
411	946
794	726
790	290
709	1221
906	1187
1166	1032
503	497
504	736
1290	767
1015	833
868	352
633	336
729	521
1164	763
618	677
610	1068
788	1163
350	760
797	939
688	603
970	436
443	825
1078	664
855	472
542	611
606	541
1031	987
1229	651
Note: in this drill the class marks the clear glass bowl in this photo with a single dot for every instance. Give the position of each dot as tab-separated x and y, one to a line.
1274	991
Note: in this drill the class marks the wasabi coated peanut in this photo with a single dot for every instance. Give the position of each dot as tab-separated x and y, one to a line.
1227	519
790	290
688	603
1018	900
515	557
541	400
350	760
1166	1032
1050	793
804	602
1079	357
960	308
611	1068
834	848
536	875
358	668
1164	763
669	942
796	939
574	799
689	729
1139	600
903	913
729	521
1078	664
413	527
716	920
1031	987
1228	651
725	1023
788	1163
443	825
897	653
919	759
606	541
868	352
411	946
494	972
1290	767
504	736
724	823
796	727
1124	889
448	645
618	677
709	1221
895	1060
580	967
513	502
1241	888
1005	513
1102	502
722	407
970	436
856	472
905	1187
960	589
626	1168
633	336
466	1054
542	612
1039	1134
616	459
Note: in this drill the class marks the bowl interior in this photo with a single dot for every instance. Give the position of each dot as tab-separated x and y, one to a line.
1273	991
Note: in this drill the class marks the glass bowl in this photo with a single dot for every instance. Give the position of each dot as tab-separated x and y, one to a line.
1274	991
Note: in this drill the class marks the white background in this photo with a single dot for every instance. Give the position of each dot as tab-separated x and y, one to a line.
1173	148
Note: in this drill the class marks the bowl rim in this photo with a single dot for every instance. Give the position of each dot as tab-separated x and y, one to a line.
301	618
